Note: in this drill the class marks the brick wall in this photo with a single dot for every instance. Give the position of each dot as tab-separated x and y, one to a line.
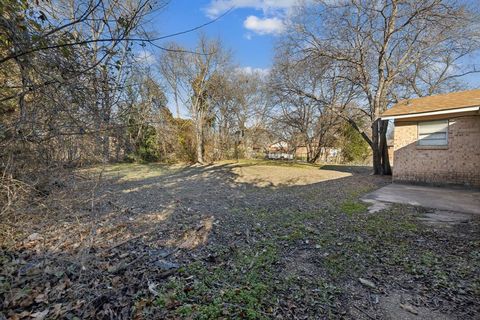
457	163
390	155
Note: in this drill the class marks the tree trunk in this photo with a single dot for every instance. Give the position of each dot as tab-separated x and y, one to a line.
309	153
314	158
386	168
318	149
199	138
381	163
106	114
316	154
118	147
377	162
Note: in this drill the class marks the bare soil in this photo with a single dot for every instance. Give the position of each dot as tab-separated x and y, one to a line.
254	240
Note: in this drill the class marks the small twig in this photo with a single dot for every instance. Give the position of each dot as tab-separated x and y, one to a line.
94	220
127	240
125	266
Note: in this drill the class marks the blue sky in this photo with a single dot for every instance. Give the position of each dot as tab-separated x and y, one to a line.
250	30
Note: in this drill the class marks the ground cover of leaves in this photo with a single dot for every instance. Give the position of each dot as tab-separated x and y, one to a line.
248	240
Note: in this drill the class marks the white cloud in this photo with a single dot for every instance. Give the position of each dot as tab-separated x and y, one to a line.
145	57
263	72
217	7
272	21
264	25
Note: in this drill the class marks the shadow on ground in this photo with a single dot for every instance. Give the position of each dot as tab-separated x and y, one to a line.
349	169
196	242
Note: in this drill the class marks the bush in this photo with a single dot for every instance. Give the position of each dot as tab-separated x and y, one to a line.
354	147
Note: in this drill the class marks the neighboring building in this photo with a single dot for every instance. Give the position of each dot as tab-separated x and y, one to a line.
283	150
279	151
301	153
437	139
327	154
281	146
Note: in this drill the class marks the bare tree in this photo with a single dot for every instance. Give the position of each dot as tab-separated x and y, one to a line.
188	76
236	97
310	97
141	113
387	49
60	87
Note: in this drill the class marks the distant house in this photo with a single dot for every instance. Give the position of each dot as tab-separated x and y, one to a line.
437	139
281	146
280	151
301	152
283	150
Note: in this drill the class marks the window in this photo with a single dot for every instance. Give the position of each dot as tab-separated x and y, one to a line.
433	133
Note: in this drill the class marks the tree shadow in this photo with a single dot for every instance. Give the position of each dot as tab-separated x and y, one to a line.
450	161
350	169
139	230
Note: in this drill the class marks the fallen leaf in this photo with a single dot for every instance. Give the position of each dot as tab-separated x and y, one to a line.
40	315
57	310
152	286
408	308
367	283
41	298
34	237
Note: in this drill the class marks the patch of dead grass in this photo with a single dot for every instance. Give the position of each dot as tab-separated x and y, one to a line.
133	171
268	175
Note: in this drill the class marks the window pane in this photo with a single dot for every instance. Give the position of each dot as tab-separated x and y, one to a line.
435	139
427	142
433	136
432	126
433	133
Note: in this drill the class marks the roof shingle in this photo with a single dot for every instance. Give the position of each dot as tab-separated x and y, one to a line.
448	101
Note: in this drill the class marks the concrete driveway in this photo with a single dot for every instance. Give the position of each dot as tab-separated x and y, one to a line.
448	199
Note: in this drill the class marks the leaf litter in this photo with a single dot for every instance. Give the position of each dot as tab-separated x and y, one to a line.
197	243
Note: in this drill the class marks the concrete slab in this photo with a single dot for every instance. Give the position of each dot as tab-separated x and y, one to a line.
458	200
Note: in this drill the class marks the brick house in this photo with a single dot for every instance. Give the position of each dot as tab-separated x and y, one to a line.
437	139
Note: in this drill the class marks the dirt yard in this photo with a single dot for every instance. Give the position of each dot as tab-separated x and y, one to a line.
248	240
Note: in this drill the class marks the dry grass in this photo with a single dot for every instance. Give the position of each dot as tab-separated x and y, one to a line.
253	240
266	175
132	171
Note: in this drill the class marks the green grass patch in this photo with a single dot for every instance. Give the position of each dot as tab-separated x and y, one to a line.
388	224
241	288
338	264
351	207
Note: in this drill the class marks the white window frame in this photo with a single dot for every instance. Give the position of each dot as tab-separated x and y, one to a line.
427	140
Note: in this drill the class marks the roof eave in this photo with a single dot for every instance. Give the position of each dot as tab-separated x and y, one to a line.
430	113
